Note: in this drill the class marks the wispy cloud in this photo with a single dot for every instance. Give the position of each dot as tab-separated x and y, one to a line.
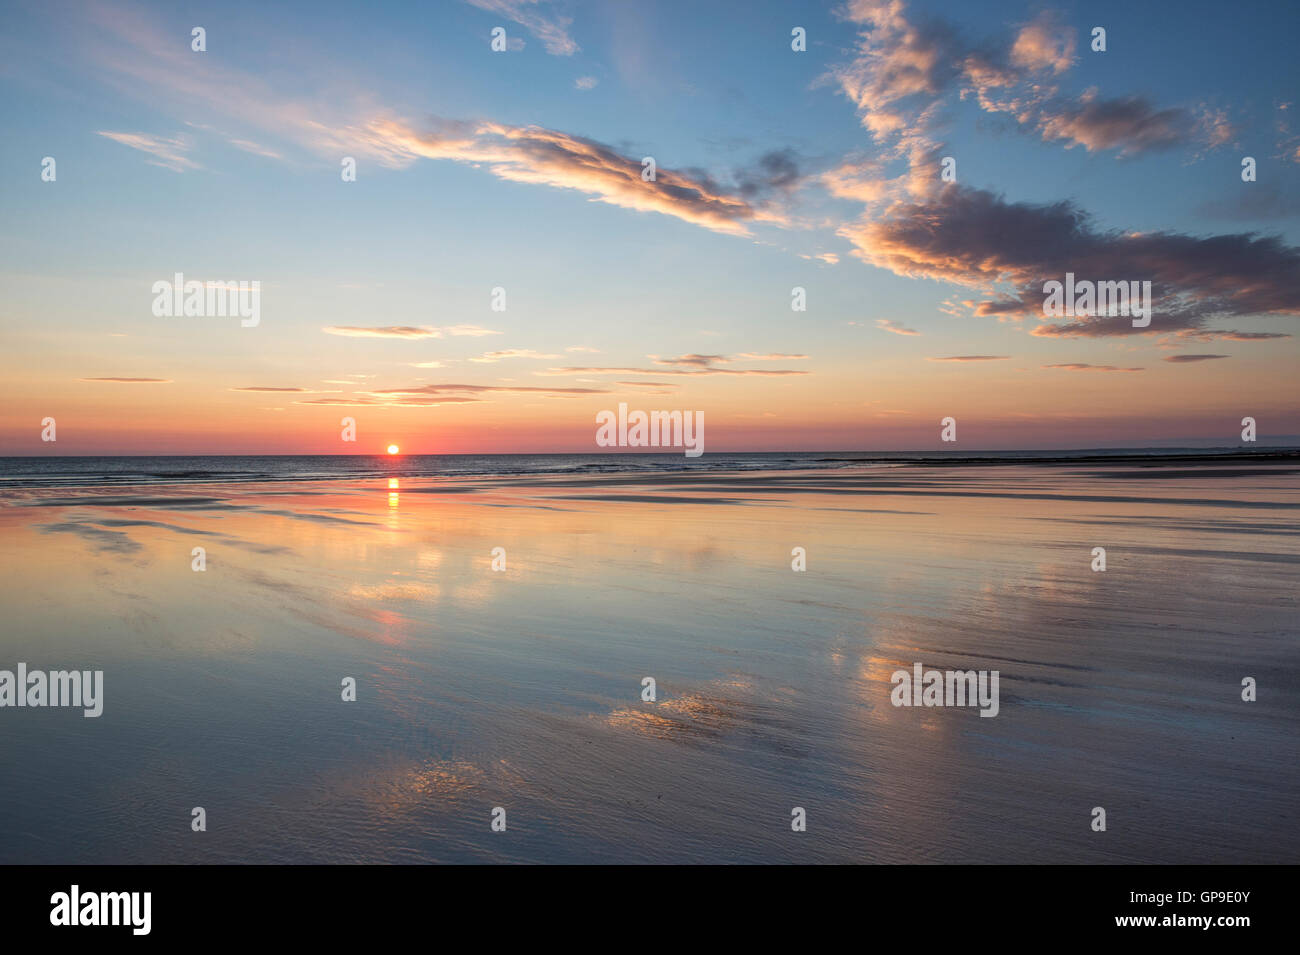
269	388
906	66
132	381
167	153
495	356
709	361
1083	366
972	358
1223	335
486	389
347	123
425	396
406	331
1183	359
535	17
249	146
707	370
889	325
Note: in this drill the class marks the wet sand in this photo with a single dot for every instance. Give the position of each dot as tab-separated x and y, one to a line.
522	688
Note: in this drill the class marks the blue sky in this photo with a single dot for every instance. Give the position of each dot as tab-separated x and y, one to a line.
472	175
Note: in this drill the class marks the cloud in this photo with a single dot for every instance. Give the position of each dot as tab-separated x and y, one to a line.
384	331
1190	358
252	147
473	331
890	325
344	123
1083	366
551	29
905	67
375	401
485	389
494	356
1254	202
269	388
1129	124
167	153
1045	44
542	156
586	82
406	331
897	61
689	365
132	381
1224	335
705	361
1218	130
426	396
775	170
972	358
975	238
1288	143
708	370
698	361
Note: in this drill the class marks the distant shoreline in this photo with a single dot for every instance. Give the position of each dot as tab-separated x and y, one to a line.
133	470
1014	455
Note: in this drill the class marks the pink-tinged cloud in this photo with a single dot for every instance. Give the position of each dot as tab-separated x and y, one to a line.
425	396
132	381
889	325
447	389
406	331
344	124
1183	359
1083	366
364	401
972	358
691	364
1046	45
540	156
905	68
761	372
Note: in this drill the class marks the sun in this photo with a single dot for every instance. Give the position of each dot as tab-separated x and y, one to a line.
393	449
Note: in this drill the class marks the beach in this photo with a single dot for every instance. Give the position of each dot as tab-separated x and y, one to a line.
499	629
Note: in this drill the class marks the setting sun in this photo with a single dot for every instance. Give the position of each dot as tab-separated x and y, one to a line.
393	449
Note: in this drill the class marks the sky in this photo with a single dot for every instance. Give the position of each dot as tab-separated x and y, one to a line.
919	169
